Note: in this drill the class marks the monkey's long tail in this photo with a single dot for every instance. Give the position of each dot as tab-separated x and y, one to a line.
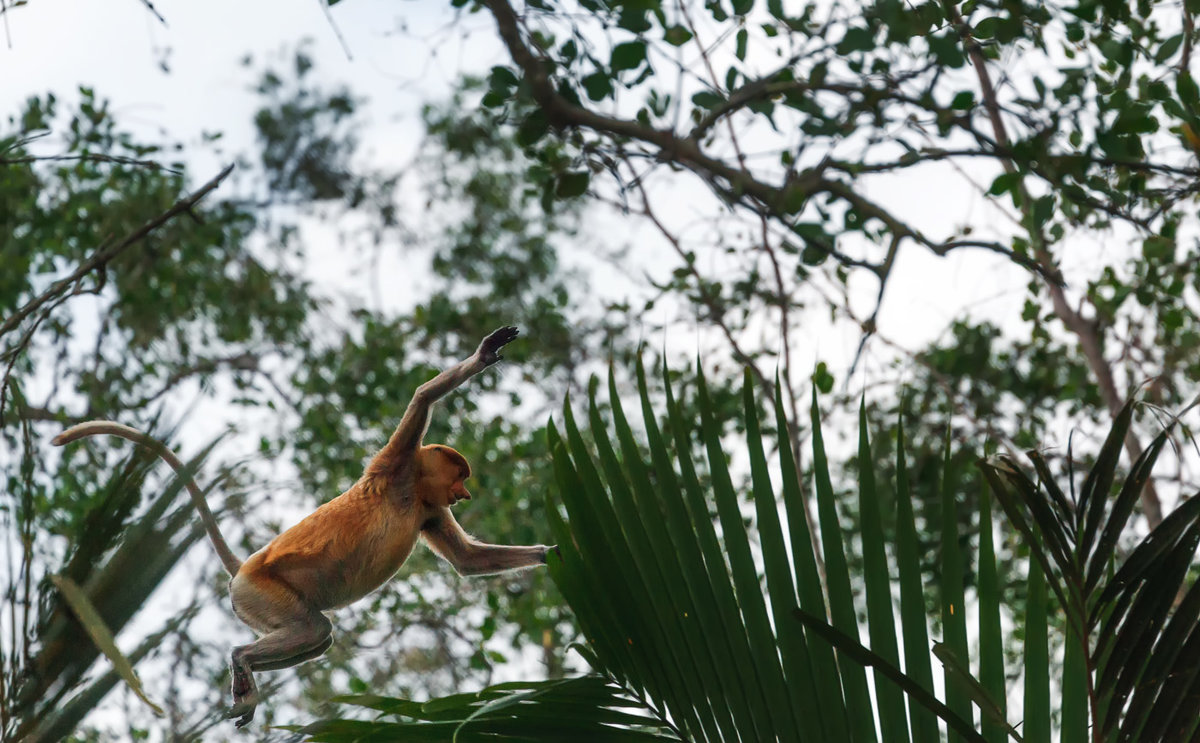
94	428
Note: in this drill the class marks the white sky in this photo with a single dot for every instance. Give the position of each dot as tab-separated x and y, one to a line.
116	47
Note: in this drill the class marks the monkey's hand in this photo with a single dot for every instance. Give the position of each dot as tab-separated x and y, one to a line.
489	350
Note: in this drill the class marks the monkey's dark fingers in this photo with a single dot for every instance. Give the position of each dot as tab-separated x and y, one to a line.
501	336
488	349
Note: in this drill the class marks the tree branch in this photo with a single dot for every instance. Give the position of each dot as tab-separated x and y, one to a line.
107	253
682	150
1091	342
686	151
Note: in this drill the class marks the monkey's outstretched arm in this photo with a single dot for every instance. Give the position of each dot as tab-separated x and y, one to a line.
411	430
472	557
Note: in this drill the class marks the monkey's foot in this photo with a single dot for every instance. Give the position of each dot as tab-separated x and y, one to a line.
243	709
245	697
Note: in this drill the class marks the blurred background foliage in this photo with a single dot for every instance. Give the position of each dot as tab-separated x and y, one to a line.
220	322
218	305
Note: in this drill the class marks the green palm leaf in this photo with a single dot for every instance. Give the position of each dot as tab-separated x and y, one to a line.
688	596
1129	671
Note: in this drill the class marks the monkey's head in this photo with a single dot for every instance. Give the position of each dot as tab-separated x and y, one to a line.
442	474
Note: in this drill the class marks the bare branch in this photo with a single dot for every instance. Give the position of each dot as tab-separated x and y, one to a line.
899	228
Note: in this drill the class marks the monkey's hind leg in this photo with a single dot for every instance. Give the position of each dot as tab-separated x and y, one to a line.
300	640
291	634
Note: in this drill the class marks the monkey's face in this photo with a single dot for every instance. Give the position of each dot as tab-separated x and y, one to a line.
443	475
458	492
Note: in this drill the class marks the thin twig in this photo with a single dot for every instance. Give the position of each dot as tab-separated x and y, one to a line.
336	31
89	157
150	7
106	253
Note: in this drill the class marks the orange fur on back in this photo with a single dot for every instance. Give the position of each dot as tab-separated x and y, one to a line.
343	550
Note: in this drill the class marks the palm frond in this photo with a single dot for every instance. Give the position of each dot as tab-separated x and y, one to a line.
703	606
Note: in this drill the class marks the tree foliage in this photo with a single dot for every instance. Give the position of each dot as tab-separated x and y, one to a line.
774	149
1070	125
213	305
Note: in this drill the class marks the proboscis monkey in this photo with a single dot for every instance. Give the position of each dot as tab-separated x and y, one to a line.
351	545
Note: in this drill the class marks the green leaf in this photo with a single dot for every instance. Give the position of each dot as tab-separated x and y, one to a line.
946	49
502	78
893	721
493	99
1168	48
833	719
504	703
682	555
1189	93
1142	562
1160	709
93	624
610	546
742	7
1131	489
533	128
573	184
1093	496
988	707
1037	659
1074	690
963	100
954	614
628	56
991	638
837	573
677	35
742	38
1003	183
1043	209
1123	669
750	597
986	27
1024	494
598	86
814	254
596	709
720	587
856	39
782	591
596	618
1158	249
912	600
707	99
822	378
677	650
